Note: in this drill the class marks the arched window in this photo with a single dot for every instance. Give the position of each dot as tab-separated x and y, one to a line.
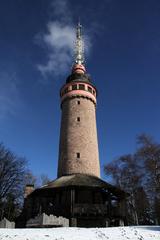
81	86
74	87
89	89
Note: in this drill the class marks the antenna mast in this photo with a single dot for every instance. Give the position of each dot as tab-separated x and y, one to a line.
79	47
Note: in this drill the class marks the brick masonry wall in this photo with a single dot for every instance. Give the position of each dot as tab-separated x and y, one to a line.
78	137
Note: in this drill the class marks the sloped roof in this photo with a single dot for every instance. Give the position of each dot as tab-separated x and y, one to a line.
78	77
82	180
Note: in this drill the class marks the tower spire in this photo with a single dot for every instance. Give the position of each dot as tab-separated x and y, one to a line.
79	48
79	51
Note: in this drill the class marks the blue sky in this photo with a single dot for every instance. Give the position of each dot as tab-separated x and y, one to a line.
36	55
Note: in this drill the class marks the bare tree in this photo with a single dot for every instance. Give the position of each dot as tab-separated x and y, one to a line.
12	171
149	153
12	181
139	174
29	178
44	179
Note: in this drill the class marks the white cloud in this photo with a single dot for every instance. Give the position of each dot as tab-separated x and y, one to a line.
9	95
60	40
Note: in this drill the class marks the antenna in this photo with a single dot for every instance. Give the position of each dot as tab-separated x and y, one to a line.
79	46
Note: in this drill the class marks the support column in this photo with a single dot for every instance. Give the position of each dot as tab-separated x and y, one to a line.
73	220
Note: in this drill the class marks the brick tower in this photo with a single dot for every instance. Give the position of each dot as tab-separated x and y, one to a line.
78	148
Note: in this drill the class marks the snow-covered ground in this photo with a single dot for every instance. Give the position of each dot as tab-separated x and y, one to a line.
114	233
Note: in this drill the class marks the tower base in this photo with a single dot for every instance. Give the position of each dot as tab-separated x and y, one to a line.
86	201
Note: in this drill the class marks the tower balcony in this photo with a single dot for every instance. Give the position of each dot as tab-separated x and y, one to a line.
78	89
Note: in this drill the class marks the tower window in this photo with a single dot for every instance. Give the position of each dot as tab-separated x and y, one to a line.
78	155
81	87
78	119
89	89
66	90
78	102
74	87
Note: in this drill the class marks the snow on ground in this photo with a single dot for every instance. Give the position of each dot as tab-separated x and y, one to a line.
111	233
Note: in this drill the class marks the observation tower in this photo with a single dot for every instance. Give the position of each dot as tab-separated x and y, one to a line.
78	195
78	149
